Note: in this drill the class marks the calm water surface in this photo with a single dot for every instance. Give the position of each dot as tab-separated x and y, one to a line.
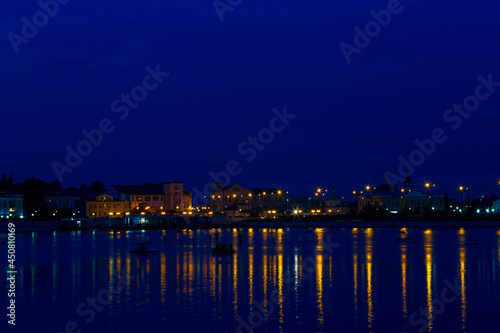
279	280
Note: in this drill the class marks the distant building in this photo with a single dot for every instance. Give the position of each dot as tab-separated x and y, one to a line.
187	201
238	210
106	206
395	200
70	199
11	205
63	199
496	207
140	197
155	199
223	197
269	199
305	203
174	197
333	199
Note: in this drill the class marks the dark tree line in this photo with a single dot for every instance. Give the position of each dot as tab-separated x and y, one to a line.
35	190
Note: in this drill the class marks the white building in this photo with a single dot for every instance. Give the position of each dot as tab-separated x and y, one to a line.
11	205
496	207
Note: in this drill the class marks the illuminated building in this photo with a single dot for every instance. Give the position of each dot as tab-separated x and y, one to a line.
388	197
174	197
106	206
154	198
496	206
11	205
223	197
141	197
333	204
265	199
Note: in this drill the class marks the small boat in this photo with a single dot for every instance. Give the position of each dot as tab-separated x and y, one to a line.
223	248
309	229
471	241
143	248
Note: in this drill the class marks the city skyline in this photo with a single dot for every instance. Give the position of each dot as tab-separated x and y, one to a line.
212	87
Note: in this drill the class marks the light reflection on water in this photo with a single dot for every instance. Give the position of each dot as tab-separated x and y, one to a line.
286	277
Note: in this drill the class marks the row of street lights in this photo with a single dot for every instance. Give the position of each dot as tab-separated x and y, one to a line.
427	185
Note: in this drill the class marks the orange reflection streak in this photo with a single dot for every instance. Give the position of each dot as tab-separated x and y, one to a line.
163	278
119	270
264	277
118	263
235	284
355	275
280	287
319	234
319	286
235	238
250	277
463	270
111	262
127	268
211	269
498	233
369	273
404	276
428	250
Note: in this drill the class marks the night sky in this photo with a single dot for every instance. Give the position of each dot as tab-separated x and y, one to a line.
352	120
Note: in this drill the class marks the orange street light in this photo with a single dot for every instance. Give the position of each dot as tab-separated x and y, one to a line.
463	189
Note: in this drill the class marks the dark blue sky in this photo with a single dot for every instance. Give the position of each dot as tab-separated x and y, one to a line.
353	120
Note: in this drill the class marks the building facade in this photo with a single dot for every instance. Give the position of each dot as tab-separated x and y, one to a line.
140	197
154	199
106	206
407	199
11	205
269	199
496	207
225	196
174	197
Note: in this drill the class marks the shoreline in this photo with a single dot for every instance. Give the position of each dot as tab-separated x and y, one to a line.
23	226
